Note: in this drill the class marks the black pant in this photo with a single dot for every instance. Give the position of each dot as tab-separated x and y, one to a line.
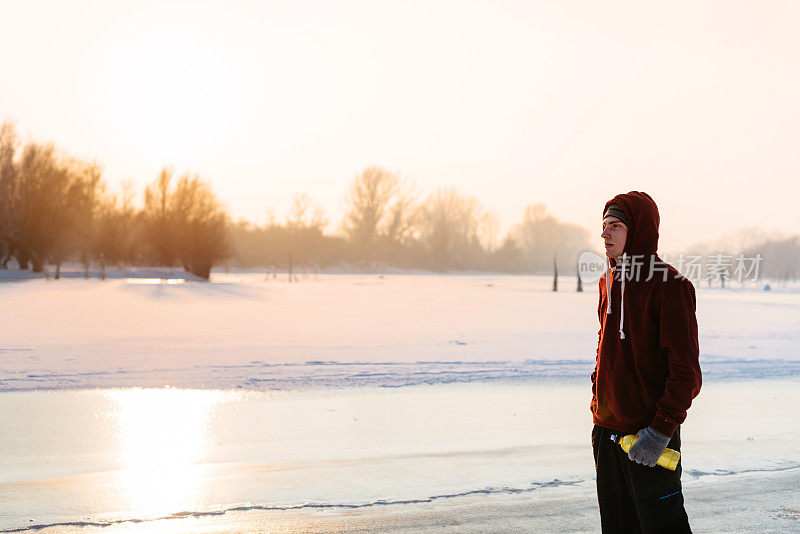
635	498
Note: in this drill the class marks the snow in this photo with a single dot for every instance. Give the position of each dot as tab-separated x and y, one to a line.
347	402
247	331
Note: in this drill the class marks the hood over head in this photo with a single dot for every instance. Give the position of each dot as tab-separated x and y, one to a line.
643	221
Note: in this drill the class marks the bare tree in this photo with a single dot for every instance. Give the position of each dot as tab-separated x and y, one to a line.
399	226
159	223
781	260
77	224
50	197
379	212
304	215
8	190
448	224
202	226
488	229
114	221
541	236
88	179
297	242
186	224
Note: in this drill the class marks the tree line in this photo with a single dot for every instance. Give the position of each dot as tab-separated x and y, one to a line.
387	224
55	209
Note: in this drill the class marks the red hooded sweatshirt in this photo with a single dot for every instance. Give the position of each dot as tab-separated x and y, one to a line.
647	370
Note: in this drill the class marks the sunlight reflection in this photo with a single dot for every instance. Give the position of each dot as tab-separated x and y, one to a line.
155	281
163	435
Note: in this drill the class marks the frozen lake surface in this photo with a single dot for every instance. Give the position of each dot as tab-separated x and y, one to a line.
122	457
361	403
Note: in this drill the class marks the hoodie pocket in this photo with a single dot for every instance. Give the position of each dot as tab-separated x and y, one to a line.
618	397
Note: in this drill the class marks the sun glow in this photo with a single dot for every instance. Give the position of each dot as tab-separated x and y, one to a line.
172	94
163	436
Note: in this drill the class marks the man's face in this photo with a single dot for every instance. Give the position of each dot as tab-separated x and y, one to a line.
615	232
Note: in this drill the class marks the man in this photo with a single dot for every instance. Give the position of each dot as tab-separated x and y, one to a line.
647	372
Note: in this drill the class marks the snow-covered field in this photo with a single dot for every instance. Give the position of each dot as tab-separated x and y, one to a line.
344	330
363	403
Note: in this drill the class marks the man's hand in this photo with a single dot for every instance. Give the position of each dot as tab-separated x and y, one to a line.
649	447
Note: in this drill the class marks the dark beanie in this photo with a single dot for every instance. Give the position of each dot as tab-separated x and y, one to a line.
615	210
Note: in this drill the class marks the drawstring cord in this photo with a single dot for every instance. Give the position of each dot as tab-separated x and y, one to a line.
608	286
622	297
621	294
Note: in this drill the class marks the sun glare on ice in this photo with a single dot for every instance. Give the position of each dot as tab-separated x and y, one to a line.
163	435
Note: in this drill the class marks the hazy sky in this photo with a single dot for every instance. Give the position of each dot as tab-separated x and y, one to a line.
566	103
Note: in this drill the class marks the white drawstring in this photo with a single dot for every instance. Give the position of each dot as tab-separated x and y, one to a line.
621	293
608	287
622	298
